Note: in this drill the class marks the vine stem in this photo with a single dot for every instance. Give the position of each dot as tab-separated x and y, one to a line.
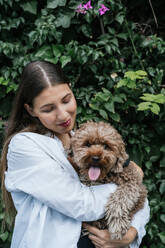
134	48
102	25
153	12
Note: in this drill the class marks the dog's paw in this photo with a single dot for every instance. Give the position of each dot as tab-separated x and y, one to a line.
117	236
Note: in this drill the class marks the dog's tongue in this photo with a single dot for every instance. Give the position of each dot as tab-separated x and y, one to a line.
93	173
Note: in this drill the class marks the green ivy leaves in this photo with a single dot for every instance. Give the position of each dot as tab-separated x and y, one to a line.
30	6
151	102
52	4
104	102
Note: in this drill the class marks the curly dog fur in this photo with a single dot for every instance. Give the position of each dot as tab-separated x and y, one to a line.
98	155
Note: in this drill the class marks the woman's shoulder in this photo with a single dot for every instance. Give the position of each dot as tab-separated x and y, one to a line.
21	136
30	139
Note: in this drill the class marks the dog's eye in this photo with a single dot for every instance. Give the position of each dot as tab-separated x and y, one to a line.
87	144
106	147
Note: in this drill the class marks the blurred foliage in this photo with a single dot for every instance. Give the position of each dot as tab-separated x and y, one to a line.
116	65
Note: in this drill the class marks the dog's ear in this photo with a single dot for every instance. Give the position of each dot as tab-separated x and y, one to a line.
123	156
118	167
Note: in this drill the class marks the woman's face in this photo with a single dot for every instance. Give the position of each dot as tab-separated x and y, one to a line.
56	108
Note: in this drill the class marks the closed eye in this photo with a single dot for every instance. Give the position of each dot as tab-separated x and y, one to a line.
48	110
67	98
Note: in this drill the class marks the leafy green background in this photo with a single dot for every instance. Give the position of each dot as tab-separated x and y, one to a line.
116	65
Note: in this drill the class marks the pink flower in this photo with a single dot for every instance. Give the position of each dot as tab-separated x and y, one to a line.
103	9
81	9
87	5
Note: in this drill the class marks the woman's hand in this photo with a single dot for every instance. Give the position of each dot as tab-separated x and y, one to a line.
101	238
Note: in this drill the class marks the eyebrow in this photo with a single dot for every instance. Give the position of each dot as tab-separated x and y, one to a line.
51	104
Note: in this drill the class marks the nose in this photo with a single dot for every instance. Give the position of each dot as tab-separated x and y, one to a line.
61	114
95	159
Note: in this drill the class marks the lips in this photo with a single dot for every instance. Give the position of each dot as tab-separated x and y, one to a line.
65	124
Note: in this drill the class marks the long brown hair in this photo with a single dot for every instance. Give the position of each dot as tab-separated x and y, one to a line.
36	76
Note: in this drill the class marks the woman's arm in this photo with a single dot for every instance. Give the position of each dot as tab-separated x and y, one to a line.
34	172
139	221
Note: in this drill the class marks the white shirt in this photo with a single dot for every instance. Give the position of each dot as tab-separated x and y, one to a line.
50	200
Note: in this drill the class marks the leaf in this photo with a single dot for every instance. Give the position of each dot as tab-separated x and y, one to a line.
52	4
131	84
63	20
122	82
103	114
102	97
162	217
162	237
141	74
155	108
56	50
52	60
123	36
131	75
4	82
110	106
87	31
30	7
147	149
115	42
162	162
162	148
108	49
143	106
93	106
115	117
44	52
106	91
4	236
119	18
162	187
154	158
65	60
159	98
148	165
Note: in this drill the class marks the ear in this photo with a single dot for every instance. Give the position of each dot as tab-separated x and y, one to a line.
29	110
118	167
122	157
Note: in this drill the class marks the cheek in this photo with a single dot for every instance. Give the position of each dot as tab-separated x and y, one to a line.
46	120
73	107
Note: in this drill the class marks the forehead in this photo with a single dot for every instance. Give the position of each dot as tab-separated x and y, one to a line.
52	94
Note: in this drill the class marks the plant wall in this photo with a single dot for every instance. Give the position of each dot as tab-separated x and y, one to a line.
115	61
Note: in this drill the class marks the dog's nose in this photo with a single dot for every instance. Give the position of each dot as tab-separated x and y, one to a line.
95	159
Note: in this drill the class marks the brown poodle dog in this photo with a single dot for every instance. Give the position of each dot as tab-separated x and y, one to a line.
99	156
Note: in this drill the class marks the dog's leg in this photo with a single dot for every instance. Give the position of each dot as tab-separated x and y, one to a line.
118	209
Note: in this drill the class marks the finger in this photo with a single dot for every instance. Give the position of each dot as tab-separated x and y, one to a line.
93	230
96	245
95	239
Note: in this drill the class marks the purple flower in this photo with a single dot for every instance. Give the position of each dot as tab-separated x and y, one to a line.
87	5
103	9
80	9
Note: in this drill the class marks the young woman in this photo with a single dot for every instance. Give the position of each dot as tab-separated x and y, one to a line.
49	199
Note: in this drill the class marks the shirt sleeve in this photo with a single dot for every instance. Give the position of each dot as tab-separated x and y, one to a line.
32	171
140	219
